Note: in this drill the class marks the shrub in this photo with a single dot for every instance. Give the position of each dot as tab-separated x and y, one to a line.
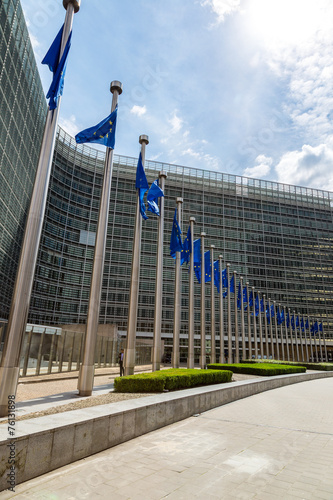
310	366
264	369
170	380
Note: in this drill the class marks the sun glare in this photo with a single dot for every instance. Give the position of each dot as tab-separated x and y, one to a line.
279	23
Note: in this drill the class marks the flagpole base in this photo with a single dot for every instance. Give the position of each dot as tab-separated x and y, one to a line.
129	362
8	384
86	380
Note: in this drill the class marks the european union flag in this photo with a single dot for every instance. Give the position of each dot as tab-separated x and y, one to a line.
141	184
278	316
225	282
232	284
262	307
239	297
272	311
268	316
208	267
245	297
217	275
297	321
320	327
292	322
197	259
282	315
58	68
288	320
176	244
302	324
102	133
256	307
154	193
315	327
251	299
307	324
187	246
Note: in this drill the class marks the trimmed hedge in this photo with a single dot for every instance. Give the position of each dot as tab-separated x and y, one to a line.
170	380
328	367
264	369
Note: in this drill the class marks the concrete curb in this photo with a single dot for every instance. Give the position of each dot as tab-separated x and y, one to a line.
47	443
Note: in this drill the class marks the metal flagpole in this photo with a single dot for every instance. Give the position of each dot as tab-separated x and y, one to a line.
315	343
286	331
203	304
291	337
255	326
249	343
306	342
236	322
86	375
10	363
310	336
281	335
271	328
320	344
296	339
266	329
159	281
301	339
229	317
276	332
242	319
212	307
129	358
190	359
222	358
178	295
260	330
324	342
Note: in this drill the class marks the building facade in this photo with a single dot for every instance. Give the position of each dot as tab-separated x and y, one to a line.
22	117
278	237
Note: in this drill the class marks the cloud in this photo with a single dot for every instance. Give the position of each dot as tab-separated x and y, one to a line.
260	170
176	123
222	8
34	41
311	166
69	125
138	110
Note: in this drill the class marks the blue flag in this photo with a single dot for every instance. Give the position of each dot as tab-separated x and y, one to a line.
154	193
256	307
292	322
245	297
320	327
58	68
176	244
239	297
225	281
302	324
103	133
187	246
315	327
262	306
268	316
251	299
282	315
232	284
272	311
197	259
297	321
141	184
208	267
288	320
278	316
307	324
217	275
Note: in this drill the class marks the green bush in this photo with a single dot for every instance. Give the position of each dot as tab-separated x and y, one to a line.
170	380
310	366
264	369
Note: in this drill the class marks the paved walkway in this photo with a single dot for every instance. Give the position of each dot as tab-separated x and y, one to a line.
276	445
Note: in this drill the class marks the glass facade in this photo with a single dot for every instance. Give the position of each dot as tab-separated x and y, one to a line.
279	237
22	116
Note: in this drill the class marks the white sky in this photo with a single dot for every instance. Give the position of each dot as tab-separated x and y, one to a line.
237	86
